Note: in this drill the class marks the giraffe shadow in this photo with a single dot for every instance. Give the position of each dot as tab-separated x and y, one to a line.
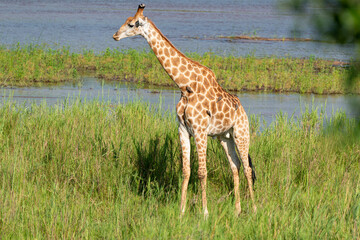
157	166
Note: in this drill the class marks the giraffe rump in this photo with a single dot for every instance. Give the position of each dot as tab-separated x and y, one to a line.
253	175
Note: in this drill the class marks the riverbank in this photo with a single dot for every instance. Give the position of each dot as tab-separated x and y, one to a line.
95	170
36	65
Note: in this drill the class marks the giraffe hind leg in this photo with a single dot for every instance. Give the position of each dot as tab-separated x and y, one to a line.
229	147
253	174
242	144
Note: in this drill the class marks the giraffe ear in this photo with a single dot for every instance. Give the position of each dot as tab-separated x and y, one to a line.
141	22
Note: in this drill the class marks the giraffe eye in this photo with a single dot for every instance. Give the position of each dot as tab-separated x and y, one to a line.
137	24
131	25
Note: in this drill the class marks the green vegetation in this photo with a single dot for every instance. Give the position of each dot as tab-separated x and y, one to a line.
339	21
34	64
28	65
95	170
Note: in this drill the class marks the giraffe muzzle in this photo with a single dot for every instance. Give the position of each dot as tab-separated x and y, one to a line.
116	37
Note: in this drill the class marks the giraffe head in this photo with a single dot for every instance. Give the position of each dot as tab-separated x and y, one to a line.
133	25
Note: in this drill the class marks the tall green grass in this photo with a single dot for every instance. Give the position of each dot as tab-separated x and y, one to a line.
96	170
34	64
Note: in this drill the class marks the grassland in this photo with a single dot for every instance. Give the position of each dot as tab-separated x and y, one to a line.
96	170
33	64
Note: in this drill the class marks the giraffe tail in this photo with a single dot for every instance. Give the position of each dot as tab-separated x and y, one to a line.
253	175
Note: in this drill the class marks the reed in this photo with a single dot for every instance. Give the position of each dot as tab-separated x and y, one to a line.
34	64
83	169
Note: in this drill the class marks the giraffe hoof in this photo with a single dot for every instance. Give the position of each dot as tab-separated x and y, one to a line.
237	212
255	209
237	209
206	215
182	212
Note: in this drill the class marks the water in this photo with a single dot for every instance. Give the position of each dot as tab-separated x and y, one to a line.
265	105
191	25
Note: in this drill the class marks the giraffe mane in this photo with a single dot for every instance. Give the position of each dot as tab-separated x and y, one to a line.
177	50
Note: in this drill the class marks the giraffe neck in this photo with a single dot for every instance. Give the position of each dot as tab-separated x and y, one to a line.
182	70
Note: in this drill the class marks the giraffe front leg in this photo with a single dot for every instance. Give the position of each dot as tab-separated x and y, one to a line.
185	147
201	145
229	147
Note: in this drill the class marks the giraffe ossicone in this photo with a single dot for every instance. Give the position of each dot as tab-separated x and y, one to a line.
204	109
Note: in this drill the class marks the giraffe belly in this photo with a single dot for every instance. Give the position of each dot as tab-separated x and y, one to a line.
219	130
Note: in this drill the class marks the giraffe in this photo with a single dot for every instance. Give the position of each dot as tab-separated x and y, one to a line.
204	109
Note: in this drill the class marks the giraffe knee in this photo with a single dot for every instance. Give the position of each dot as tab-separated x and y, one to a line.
202	173
186	172
248	172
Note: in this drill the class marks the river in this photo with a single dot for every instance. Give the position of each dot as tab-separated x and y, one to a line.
264	105
192	26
